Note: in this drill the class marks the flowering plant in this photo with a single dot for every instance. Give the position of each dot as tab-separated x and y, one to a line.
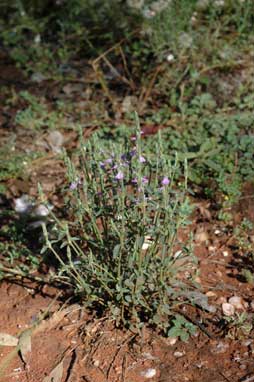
125	216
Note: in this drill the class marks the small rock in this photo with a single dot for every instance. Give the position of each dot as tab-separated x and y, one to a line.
38	77
149	373
217	232
172	341
178	354
147	243
129	104
237	302
211	294
55	140
221	300
202	5
201	236
221	347
225	253
42	211
96	363
23	205
148	356
228	309
170	57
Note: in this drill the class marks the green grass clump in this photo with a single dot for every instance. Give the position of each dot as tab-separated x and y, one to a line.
12	164
119	246
18	256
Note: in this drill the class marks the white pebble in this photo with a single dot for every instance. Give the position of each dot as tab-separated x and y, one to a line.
211	294
219	3
237	302
225	253
42	211
202	5
23	205
228	309
172	341
147	243
221	347
170	57
149	373
201	237
177	254
178	354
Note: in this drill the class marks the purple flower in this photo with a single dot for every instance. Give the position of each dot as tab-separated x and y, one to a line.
144	180
124	157
74	185
165	181
102	164
119	175
108	161
142	159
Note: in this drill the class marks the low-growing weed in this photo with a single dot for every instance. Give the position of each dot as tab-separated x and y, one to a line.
17	252
244	237
239	326
12	163
219	147
120	245
37	115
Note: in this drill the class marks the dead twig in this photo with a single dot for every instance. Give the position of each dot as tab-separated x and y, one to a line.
102	82
124	342
132	83
143	99
123	368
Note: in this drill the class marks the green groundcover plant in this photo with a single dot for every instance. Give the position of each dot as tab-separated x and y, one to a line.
119	245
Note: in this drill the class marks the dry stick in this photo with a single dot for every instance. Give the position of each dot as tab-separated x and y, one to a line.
124	79
103	56
125	341
150	86
21	274
132	83
31	277
222	375
230	64
123	368
114	47
102	82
